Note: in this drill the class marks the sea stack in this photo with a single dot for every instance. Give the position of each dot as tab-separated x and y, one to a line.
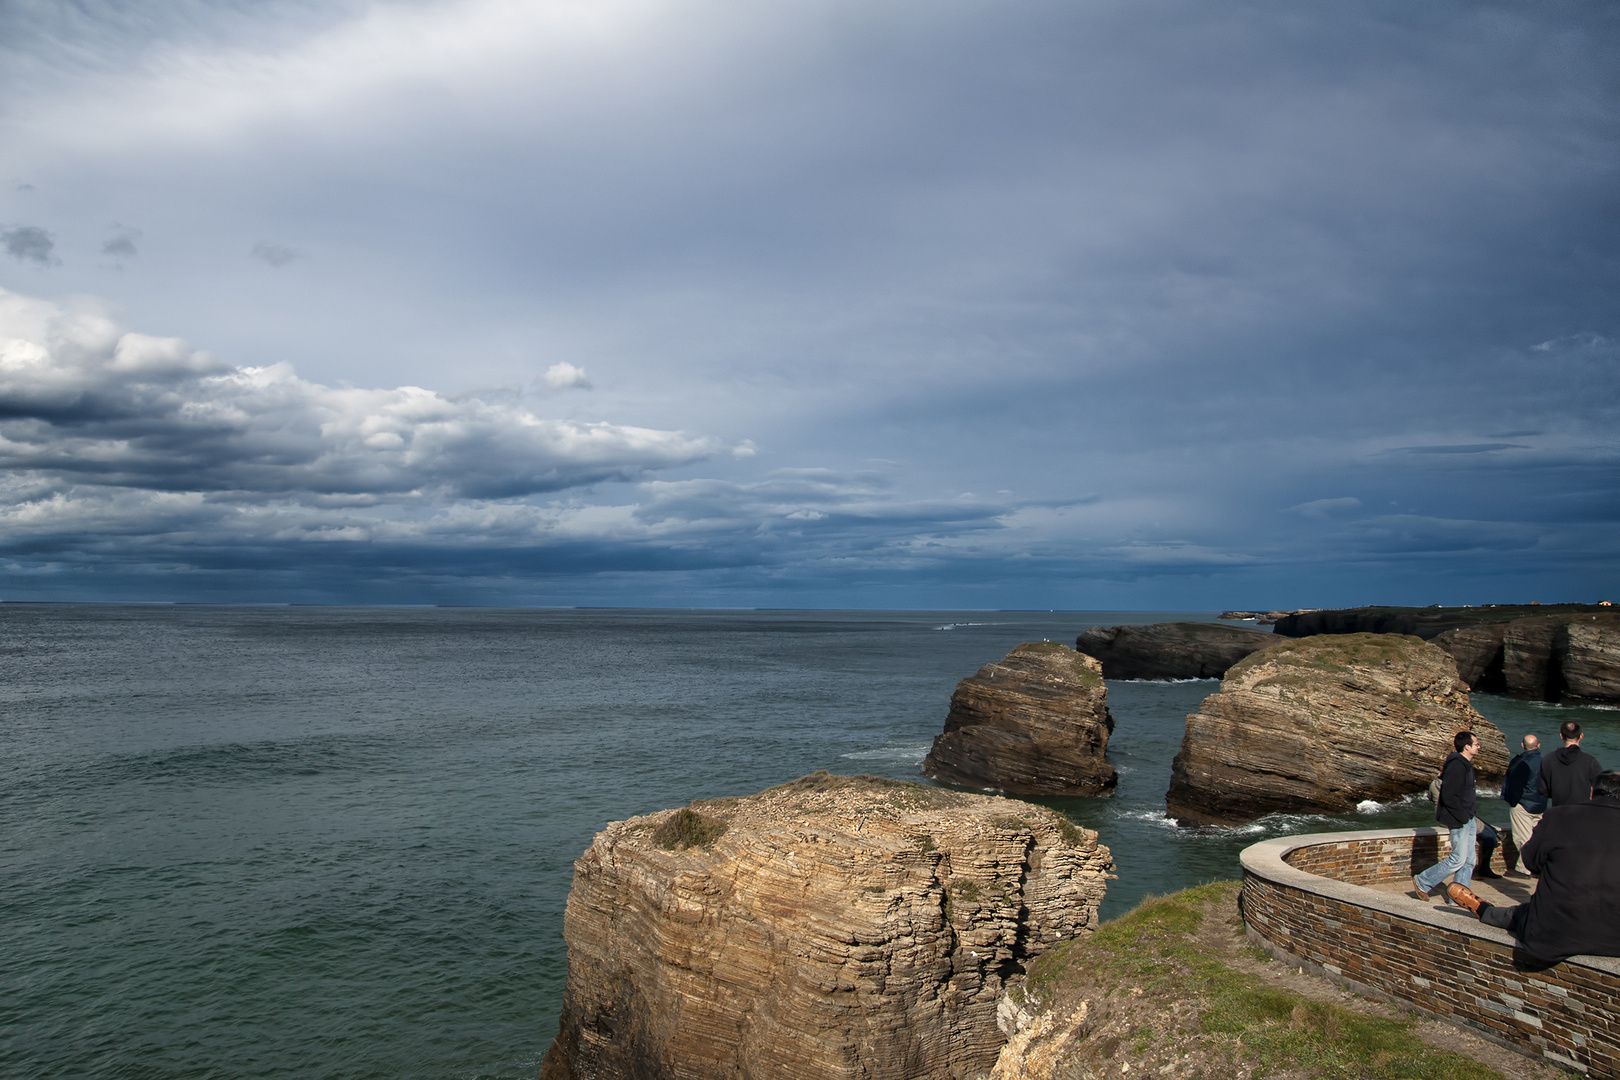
1034	723
1181	650
831	927
1322	723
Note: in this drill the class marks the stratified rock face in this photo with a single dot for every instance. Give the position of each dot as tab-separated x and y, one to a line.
1589	659
1322	723
1171	650
1036	723
1527	658
1477	651
836	927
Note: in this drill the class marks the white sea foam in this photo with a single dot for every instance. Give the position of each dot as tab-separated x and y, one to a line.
1163	682
903	755
1369	806
954	625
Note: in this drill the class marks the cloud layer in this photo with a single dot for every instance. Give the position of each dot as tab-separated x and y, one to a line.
1160	303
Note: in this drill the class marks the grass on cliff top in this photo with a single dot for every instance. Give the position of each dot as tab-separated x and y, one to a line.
1161	990
1335	652
686	828
1078	662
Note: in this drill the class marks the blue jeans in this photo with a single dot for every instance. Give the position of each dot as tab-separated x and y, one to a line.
1460	861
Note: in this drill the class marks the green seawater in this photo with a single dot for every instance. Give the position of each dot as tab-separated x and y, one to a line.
336	842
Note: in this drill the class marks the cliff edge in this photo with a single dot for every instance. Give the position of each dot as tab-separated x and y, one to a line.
831	927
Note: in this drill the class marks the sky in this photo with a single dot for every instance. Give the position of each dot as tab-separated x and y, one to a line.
1156	304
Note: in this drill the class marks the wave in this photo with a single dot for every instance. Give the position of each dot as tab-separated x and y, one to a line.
955	625
1162	682
902	755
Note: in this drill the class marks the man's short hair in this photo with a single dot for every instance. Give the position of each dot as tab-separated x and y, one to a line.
1531	742
1569	729
1462	739
1607	785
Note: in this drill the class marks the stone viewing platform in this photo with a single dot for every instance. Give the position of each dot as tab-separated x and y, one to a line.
1336	903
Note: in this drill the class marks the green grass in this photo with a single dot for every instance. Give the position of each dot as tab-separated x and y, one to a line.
686	828
1153	950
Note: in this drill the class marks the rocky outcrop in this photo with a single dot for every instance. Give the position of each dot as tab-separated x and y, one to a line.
832	927
1588	658
1574	658
1035	723
1542	652
1181	650
1421	622
1264	618
1477	651
1320	724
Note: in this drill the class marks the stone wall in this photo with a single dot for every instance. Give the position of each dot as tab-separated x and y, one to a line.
1306	901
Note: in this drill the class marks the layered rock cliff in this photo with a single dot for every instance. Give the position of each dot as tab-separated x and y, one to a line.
832	927
1034	723
1320	724
1171	650
1542	652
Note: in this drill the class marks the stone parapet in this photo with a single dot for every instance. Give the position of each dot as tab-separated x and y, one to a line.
1309	901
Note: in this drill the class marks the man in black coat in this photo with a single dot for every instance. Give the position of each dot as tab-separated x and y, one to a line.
1576	906
1455	810
1567	773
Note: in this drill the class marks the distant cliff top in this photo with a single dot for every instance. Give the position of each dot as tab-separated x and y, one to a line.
1423	622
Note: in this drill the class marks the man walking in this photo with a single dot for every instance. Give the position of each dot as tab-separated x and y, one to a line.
1526	805
1455	810
1576	905
1566	775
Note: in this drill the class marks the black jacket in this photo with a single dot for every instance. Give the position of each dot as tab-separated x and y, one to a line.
1519	787
1455	807
1566	775
1576	907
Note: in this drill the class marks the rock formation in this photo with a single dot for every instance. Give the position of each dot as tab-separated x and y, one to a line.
1543	652
1171	650
1477	651
1264	618
1588	658
831	927
1319	724
1574	658
1036	723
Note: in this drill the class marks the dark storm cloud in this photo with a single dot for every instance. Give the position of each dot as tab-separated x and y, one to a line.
276	255
121	244
29	243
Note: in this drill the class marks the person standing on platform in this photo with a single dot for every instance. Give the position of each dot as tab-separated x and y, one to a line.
1526	805
1567	773
1455	810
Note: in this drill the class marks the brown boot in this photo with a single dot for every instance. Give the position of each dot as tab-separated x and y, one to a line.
1464	897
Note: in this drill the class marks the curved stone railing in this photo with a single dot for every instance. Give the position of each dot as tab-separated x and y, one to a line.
1307	900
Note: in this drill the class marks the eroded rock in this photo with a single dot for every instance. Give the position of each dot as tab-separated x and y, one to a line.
1034	723
1171	650
831	927
1322	723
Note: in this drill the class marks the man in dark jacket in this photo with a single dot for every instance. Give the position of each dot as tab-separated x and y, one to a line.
1519	792
1455	810
1567	773
1576	906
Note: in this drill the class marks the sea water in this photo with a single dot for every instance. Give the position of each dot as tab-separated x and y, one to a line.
336	842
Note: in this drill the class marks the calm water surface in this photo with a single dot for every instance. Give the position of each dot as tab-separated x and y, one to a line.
305	842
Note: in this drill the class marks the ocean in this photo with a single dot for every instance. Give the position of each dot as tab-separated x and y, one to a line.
336	842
